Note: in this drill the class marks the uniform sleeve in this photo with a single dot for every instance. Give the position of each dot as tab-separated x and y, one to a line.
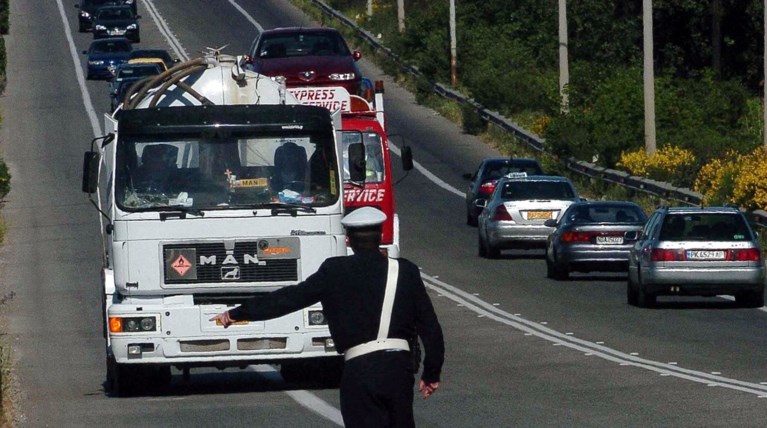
430	332
283	301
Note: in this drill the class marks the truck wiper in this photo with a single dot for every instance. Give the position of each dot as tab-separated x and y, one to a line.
179	212
358	184
285	208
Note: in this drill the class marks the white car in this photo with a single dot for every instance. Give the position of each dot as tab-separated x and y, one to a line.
515	214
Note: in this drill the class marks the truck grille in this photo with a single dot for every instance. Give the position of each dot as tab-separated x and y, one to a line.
212	263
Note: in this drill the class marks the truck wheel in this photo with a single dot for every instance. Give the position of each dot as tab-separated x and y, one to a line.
294	372
492	252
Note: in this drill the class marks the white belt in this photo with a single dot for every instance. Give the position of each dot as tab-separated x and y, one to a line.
376	345
382	342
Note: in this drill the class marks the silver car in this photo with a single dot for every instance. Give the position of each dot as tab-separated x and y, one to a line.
590	237
696	251
515	214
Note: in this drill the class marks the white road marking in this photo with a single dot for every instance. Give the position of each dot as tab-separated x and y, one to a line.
589	348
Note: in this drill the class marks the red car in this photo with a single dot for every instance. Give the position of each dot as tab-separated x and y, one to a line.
306	57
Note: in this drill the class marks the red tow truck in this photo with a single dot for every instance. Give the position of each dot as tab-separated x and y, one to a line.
365	120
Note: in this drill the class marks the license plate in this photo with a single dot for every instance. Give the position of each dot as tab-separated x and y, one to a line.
609	240
538	215
705	255
117	32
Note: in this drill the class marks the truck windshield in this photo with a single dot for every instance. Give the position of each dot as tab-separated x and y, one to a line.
225	172
374	160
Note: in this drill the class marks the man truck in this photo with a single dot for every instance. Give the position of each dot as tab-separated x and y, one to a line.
214	183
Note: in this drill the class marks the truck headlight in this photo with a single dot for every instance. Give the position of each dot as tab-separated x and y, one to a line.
316	317
132	324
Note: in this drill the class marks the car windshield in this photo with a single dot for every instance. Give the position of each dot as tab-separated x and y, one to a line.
111	46
302	44
114	13
704	227
374	163
203	172
130	72
494	171
524	190
605	214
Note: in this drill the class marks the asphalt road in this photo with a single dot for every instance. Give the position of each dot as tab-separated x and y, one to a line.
522	350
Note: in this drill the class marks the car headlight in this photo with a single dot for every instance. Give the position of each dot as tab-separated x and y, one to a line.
96	62
85	14
342	76
132	27
100	27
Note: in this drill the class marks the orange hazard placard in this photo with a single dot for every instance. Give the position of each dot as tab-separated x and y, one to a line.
181	265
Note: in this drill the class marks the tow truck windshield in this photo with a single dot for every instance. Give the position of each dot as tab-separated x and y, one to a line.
225	172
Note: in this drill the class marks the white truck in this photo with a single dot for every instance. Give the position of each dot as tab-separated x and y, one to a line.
214	184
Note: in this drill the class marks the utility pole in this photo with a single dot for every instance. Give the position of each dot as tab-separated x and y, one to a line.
649	79
401	15
370	8
564	68
453	52
764	77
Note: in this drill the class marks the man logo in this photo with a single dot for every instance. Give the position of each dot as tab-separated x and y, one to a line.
230	273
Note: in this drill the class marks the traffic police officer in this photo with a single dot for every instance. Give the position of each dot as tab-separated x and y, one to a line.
375	306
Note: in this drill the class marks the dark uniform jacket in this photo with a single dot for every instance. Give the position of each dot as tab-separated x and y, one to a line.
351	290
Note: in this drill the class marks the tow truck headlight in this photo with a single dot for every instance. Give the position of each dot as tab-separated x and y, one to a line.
341	76
316	317
132	324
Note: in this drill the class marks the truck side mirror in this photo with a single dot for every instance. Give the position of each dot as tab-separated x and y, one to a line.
407	158
91	162
357	162
631	235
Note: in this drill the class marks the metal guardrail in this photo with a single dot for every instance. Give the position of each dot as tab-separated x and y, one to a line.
665	190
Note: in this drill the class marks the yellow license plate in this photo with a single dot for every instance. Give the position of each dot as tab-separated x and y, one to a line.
252	182
538	215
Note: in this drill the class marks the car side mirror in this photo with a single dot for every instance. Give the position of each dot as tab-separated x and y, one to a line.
550	223
85	52
631	235
480	203
356	55
407	158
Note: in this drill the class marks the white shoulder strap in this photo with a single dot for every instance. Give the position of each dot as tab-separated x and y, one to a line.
388	302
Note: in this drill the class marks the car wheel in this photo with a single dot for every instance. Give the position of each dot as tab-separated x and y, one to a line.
631	292
644	299
492	252
750	299
471	221
556	272
481	250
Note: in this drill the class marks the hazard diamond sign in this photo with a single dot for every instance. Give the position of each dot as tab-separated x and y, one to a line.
180	264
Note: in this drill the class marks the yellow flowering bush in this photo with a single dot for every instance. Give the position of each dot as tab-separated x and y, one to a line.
670	164
736	178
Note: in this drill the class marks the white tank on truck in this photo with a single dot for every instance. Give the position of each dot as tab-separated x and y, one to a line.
214	184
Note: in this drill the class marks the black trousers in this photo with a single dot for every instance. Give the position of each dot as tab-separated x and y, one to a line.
377	390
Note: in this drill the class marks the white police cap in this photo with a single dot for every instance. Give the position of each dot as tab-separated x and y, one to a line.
363	217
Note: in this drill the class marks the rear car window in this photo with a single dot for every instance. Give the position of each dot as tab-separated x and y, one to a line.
526	190
606	214
496	171
705	227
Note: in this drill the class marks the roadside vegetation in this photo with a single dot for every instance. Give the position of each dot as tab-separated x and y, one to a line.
708	68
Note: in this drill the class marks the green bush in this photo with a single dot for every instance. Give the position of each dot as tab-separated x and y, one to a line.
4	15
